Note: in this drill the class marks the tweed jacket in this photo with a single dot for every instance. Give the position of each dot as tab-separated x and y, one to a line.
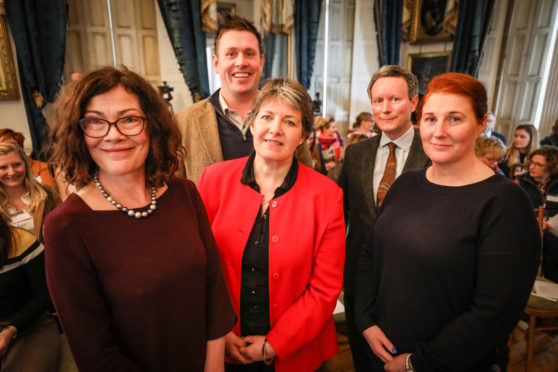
200	137
356	180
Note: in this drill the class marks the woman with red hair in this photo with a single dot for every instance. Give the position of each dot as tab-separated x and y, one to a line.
442	288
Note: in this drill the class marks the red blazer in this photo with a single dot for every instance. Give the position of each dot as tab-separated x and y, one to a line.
306	256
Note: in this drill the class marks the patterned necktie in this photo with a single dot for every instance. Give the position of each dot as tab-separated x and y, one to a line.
388	177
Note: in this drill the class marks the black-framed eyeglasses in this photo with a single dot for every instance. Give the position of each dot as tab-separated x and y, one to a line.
127	126
537	165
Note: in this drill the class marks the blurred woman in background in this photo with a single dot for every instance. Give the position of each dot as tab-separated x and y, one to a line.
541	184
364	124
491	151
24	202
29	336
329	140
39	168
525	140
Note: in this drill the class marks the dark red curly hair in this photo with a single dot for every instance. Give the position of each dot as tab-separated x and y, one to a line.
66	138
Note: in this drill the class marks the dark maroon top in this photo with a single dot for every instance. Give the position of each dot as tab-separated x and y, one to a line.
137	294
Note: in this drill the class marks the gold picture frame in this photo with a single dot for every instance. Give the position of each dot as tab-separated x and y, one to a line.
431	21
8	78
223	10
425	66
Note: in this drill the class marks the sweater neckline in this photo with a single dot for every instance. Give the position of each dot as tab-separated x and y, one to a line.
485	183
89	209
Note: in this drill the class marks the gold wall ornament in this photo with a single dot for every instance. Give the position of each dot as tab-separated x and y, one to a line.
209	15
8	79
38	97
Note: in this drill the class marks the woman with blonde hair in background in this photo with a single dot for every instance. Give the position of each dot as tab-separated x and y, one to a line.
39	168
24	202
490	150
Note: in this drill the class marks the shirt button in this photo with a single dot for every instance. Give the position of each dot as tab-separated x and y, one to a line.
275	276
274	203
256	242
252	269
255	307
253	292
274	238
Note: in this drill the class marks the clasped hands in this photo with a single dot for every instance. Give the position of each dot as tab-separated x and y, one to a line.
383	348
6	336
247	349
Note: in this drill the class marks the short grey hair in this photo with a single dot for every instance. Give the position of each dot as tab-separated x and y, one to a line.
395	71
289	91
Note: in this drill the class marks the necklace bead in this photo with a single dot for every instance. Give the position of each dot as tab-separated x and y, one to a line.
130	212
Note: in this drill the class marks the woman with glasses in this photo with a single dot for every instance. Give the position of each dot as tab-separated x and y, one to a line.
131	262
541	184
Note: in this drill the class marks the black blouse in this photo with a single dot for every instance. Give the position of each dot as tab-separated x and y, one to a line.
254	284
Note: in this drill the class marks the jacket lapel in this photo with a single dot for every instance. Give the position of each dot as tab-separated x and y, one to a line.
208	133
416	158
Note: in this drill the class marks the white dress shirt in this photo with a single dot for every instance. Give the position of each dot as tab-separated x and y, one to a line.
402	148
232	115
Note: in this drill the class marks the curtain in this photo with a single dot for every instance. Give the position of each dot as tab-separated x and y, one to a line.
472	28
276	20
39	31
307	21
276	52
388	18
183	23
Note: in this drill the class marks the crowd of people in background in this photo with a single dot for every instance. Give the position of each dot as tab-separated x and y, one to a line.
219	238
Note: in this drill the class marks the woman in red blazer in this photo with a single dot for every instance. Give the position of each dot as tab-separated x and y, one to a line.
280	232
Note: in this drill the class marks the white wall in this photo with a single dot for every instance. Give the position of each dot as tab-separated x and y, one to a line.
170	71
488	68
365	57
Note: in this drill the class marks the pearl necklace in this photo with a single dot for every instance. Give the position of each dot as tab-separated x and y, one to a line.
128	211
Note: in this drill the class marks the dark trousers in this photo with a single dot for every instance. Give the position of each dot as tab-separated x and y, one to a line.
359	347
37	348
550	256
252	367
